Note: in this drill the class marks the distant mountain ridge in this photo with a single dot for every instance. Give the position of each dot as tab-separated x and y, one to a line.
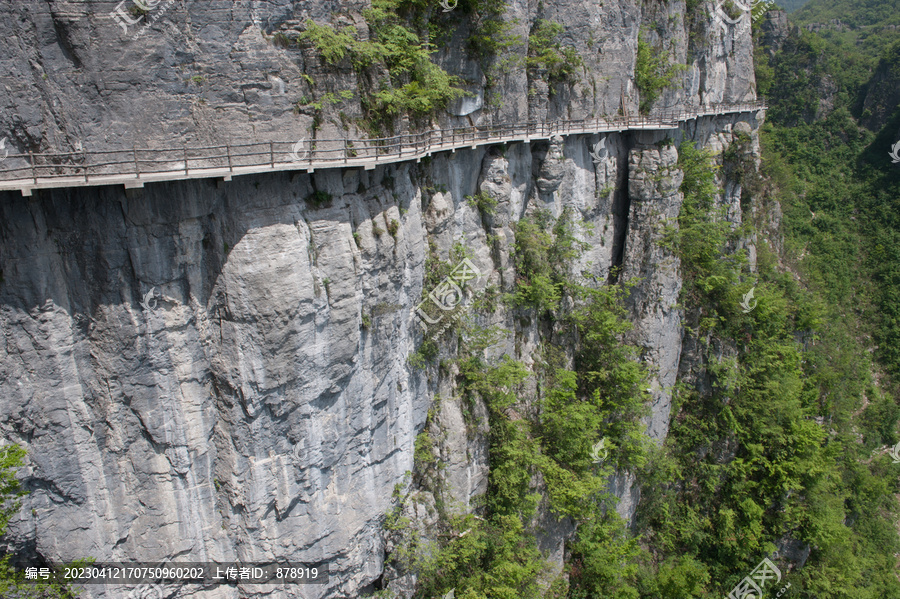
792	5
871	25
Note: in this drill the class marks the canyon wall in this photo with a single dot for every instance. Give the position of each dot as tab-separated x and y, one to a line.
218	371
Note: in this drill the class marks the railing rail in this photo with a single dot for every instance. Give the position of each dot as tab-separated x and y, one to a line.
63	169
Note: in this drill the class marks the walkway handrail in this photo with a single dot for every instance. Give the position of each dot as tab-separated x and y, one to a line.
64	169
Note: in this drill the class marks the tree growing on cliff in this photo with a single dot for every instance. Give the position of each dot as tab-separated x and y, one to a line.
653	73
12	583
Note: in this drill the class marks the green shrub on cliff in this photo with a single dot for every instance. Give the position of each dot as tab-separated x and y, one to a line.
11	457
545	52
764	447
653	73
13	584
415	86
545	430
544	250
332	45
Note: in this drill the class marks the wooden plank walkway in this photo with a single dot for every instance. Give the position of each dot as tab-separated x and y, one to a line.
135	167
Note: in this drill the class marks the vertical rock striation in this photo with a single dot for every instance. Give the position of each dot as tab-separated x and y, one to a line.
216	371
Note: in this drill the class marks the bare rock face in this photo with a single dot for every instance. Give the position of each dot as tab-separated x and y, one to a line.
245	414
775	29
653	185
552	168
220	371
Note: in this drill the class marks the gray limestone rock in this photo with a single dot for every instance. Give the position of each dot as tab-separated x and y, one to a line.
552	167
207	370
189	368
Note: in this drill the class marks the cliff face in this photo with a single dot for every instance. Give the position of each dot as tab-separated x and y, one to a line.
205	74
882	91
210	371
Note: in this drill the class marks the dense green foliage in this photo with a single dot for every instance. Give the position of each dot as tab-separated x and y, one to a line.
544	425
791	5
840	188
416	85
792	477
867	24
781	444
786	476
807	66
403	35
11	457
653	73
779	427
489	35
748	462
546	54
483	202
13	584
701	238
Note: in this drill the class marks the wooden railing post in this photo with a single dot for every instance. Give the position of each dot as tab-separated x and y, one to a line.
228	153
272	153
33	171
185	161
137	170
